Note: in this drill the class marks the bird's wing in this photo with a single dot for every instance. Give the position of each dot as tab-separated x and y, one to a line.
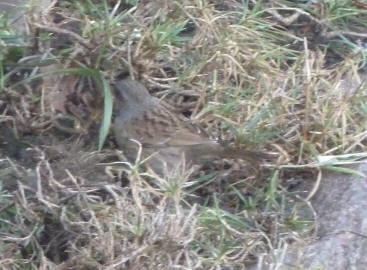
159	127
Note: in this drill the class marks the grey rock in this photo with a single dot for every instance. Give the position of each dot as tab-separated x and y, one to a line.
341	241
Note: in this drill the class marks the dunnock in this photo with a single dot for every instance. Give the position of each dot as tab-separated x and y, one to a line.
164	135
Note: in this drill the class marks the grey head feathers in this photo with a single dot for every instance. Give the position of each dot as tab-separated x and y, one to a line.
132	93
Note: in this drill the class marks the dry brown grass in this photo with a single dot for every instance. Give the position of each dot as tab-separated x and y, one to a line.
242	72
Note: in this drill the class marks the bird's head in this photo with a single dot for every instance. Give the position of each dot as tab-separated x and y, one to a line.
131	93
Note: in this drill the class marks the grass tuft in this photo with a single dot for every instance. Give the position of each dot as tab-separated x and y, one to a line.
286	78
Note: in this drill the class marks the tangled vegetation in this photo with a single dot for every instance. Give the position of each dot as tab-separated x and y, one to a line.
281	77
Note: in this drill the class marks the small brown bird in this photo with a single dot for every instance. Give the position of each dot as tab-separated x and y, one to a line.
164	135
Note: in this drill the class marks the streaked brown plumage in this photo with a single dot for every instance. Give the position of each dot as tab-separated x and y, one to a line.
162	132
